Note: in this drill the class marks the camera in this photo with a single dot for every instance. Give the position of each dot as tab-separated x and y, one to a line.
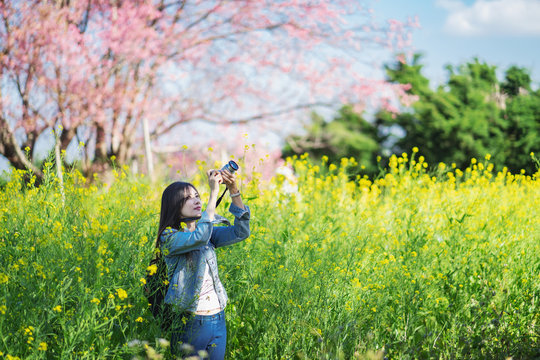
231	166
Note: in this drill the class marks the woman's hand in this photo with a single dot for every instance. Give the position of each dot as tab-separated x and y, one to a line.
229	179
214	179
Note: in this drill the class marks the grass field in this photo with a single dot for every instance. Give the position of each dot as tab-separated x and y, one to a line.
442	265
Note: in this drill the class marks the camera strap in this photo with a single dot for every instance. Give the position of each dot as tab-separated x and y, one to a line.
221	197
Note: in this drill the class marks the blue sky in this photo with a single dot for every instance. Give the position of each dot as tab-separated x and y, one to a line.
498	32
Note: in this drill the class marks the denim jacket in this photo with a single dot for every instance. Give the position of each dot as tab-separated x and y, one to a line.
186	254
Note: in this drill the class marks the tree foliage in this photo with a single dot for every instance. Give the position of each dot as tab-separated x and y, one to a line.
93	70
348	134
472	115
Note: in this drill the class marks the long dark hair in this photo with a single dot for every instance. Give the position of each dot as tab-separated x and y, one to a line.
172	202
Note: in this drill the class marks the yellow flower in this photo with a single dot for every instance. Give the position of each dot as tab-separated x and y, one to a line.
95	300
122	294
139	319
151	269
3	278
3	309
57	308
143	281
415	149
42	346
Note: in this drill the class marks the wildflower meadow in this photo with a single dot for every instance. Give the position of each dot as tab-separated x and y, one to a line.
418	263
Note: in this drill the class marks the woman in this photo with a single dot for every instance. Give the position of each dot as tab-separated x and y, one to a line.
196	296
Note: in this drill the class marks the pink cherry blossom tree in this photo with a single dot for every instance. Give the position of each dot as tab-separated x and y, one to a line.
91	71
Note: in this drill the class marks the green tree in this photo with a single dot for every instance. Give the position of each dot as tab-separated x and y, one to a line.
517	79
523	130
470	116
467	117
347	135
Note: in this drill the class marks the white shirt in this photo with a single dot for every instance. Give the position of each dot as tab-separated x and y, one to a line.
208	300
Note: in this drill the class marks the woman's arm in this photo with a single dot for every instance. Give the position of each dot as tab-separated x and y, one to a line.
214	179
229	179
236	199
223	236
175	242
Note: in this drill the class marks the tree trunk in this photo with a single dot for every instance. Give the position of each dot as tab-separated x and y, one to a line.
66	137
11	150
101	145
148	150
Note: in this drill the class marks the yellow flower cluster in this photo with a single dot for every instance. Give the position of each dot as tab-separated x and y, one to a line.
122	294
418	247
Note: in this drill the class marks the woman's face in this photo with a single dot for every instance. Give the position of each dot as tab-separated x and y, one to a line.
192	207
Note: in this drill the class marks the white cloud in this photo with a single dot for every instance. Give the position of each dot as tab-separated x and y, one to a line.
451	5
492	17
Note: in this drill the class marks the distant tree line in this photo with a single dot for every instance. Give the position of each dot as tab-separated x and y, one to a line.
472	115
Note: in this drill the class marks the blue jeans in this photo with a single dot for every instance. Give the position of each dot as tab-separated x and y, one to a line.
202	332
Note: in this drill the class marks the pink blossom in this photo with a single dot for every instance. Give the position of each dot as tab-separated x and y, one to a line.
101	66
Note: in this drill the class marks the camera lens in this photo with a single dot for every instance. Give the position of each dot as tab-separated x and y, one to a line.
234	166
231	166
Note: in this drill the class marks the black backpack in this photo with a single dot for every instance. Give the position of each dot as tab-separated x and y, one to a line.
155	289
